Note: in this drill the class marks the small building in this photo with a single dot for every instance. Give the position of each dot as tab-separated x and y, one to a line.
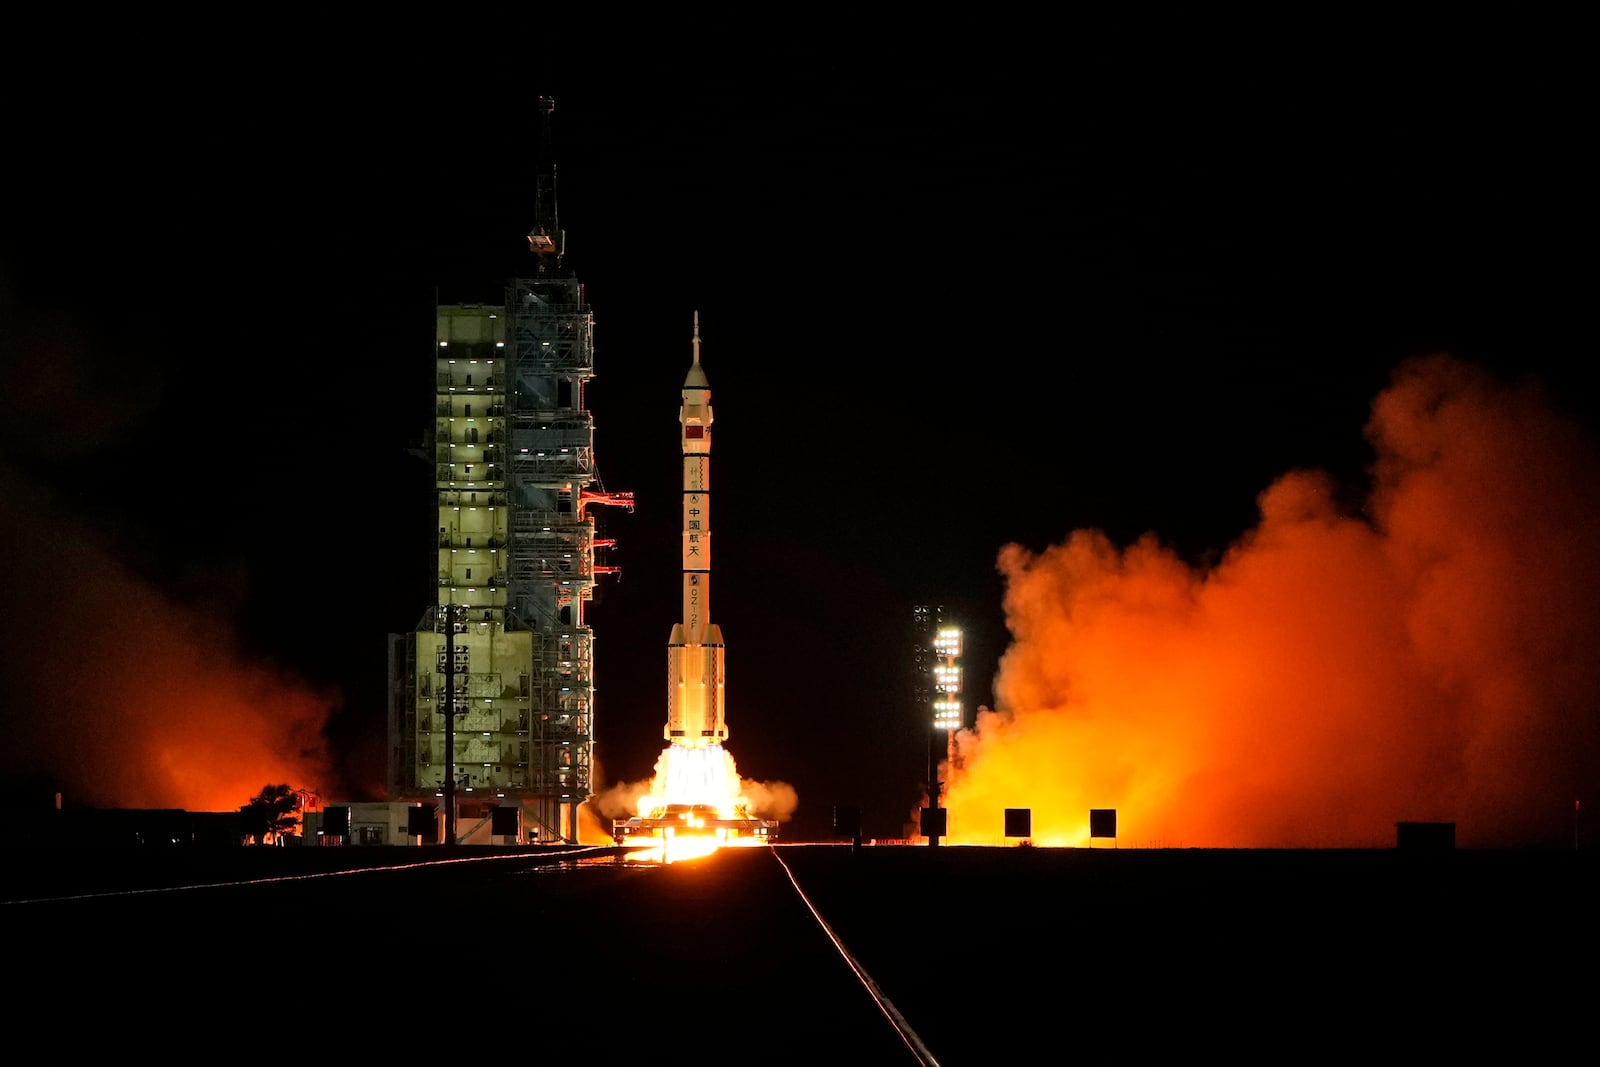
367	823
398	822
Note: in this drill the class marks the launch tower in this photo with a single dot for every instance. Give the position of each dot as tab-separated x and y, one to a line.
491	699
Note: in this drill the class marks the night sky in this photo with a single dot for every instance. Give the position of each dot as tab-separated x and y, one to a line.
948	303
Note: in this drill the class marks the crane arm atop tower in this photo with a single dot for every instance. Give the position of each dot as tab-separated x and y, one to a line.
545	240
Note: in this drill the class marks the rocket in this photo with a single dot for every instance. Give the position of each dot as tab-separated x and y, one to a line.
695	668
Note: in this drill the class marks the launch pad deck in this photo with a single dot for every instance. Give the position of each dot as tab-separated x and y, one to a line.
693	820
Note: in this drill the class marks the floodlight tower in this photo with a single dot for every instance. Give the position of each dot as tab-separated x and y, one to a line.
938	666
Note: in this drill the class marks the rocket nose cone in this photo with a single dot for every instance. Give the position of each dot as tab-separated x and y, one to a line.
696	378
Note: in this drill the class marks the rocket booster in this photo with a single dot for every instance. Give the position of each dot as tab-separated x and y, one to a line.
695	670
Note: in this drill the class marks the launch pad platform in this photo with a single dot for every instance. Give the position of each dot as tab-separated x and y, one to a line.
694	820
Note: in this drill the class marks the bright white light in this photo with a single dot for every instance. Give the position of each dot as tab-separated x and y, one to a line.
947	713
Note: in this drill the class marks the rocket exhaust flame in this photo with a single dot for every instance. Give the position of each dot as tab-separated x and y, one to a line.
702	776
697	791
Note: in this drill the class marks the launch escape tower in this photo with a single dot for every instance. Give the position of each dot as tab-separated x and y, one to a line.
497	682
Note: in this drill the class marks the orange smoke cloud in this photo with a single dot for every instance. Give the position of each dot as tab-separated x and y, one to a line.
114	694
1431	658
592	828
617	800
770	800
124	699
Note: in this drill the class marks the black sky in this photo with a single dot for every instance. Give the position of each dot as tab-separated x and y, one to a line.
948	300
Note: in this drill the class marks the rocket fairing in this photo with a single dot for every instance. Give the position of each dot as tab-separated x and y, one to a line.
695	668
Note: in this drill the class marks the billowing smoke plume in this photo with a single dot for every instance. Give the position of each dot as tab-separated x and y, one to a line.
1434	657
770	800
618	800
128	700
115	695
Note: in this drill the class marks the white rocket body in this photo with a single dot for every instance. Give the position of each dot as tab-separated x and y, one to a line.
695	668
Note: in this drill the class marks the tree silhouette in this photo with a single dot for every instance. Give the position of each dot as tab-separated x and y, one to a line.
269	815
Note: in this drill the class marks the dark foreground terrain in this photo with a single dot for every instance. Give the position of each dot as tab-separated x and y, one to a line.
976	955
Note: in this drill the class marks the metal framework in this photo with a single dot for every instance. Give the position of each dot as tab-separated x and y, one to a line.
515	477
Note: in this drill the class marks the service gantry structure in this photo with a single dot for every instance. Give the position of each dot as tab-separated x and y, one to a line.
491	698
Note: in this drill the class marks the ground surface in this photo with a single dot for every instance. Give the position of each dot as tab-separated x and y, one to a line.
987	955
